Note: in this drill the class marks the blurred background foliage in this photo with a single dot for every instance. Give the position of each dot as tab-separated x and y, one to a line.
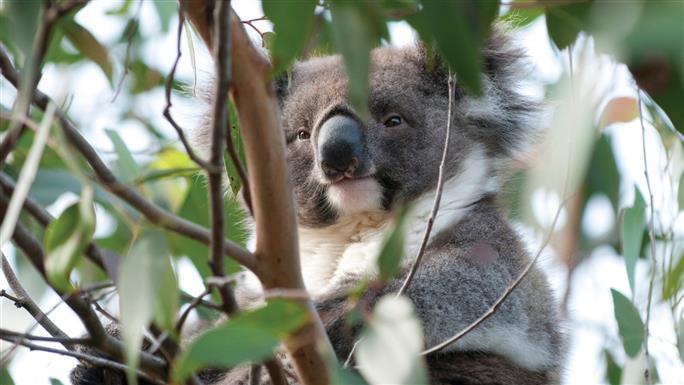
579	137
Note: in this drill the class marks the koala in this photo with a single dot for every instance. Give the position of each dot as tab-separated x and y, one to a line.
352	174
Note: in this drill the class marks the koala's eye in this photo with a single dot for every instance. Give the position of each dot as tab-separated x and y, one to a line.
303	135
392	121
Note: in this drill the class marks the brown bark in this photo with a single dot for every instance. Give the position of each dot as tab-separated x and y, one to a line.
277	250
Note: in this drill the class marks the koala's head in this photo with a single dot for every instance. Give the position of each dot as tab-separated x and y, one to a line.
342	164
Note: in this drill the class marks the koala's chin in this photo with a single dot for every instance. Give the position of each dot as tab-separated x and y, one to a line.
353	196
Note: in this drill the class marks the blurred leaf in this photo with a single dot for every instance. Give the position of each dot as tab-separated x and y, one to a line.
167	301
342	376
613	371
632	226
292	23
53	381
619	110
122	10
195	208
127	166
392	251
459	28
389	348
250	336
165	10
564	22
356	29
88	45
630	327
521	17
23	18
672	281
233	176
5	378
144	77
67	237
602	174
269	40
140	286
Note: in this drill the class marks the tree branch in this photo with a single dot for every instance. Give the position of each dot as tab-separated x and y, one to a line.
222	69
272	198
151	211
23	299
99	361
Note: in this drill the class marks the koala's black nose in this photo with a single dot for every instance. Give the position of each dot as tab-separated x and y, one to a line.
340	144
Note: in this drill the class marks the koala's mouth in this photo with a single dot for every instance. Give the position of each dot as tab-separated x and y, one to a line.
352	195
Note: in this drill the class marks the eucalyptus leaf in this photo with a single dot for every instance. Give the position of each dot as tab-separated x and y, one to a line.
392	251
564	22
139	287
5	377
389	349
126	164
680	338
630	326
250	336
613	371
292	22
459	28
67	237
88	45
632	227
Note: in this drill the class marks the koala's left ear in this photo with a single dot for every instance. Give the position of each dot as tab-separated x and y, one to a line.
512	121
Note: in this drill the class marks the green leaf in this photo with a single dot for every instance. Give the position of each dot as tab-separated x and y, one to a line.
602	174
613	371
521	17
168	300
88	45
566	21
389	349
250	336
233	175
5	378
23	18
673	279
630	327
632	227
165	10
356	29
67	237
195	208
53	381
126	164
292	22
342	376
140	286
389	259
459	28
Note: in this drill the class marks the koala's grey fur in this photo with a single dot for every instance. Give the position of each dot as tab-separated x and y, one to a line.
473	253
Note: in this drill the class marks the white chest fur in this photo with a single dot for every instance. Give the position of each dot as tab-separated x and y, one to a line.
351	246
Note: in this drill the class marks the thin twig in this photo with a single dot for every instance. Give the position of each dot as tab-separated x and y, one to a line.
167	110
506	293
23	299
438	194
151	211
196	302
651	236
223	72
99	361
65	341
